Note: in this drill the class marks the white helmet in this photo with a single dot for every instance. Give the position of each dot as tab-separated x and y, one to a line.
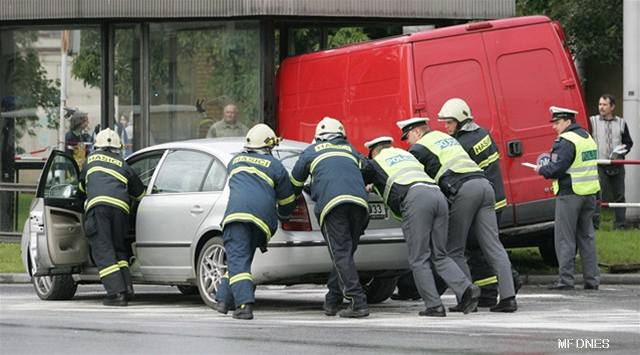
456	109
261	136
108	138
329	125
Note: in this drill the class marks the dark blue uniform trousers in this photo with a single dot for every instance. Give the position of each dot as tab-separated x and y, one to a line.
240	243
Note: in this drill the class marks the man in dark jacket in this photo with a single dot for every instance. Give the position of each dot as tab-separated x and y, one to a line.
108	183
341	208
574	171
482	149
257	183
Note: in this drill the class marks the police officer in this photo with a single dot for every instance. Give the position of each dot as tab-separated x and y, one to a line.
109	182
342	210
415	199
257	183
574	171
479	144
471	200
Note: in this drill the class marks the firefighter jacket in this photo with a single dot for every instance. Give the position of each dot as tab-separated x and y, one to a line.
445	161
573	165
334	166
107	179
484	151
392	172
257	184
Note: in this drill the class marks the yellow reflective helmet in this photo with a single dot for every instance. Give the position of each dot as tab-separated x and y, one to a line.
108	138
261	136
329	125
456	109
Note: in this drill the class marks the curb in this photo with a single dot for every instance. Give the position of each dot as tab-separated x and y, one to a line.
607	279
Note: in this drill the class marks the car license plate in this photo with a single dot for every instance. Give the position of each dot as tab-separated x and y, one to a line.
377	210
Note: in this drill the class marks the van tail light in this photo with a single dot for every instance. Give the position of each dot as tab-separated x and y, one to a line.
299	220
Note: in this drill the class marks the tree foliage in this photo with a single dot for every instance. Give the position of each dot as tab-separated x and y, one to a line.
31	88
593	27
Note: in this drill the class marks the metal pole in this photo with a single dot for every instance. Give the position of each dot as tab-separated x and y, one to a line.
631	97
63	98
617	162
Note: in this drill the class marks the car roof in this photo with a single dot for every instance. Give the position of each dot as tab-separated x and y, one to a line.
223	148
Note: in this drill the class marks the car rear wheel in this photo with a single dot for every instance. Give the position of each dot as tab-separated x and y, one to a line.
188	290
379	289
56	287
211	266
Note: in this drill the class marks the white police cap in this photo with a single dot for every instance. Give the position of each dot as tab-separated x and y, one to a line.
372	143
409	124
561	112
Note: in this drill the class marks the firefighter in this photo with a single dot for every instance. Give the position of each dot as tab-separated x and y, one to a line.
342	210
109	184
415	199
574	170
258	182
471	200
482	149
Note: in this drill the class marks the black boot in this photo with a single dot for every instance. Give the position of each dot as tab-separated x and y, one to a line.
433	312
224	308
130	293
507	305
245	311
330	308
469	301
355	312
118	300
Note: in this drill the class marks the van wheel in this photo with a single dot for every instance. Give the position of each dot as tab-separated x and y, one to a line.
547	250
379	289
188	290
211	266
56	287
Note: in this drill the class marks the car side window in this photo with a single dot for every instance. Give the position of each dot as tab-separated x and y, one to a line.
182	171
62	179
146	166
216	178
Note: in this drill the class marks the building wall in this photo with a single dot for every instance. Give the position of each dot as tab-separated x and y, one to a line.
603	79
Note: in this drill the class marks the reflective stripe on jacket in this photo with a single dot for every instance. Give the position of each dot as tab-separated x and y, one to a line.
108	180
334	167
257	184
392	172
584	168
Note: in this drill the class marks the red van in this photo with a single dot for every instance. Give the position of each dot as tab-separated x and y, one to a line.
509	71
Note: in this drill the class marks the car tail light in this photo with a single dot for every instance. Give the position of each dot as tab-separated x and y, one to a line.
299	220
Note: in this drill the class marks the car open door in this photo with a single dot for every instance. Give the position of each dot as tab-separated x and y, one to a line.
61	246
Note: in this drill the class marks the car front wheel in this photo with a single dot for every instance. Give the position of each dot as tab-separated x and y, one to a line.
211	267
56	287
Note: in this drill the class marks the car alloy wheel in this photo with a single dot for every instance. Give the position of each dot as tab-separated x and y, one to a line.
211	267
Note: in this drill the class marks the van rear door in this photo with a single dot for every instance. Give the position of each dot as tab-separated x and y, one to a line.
529	76
456	66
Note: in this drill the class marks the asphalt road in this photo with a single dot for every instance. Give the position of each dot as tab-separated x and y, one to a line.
289	321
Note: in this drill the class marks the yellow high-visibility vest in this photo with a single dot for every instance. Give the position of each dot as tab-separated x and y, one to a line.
584	168
449	152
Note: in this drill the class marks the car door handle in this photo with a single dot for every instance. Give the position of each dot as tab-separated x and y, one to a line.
196	209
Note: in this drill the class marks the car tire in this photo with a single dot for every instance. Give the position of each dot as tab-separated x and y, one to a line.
188	290
55	287
547	250
379	289
210	268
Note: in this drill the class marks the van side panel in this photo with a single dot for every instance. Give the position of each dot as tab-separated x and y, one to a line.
363	88
529	76
457	67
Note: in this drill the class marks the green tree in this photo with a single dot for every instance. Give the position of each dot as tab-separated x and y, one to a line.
31	88
593	27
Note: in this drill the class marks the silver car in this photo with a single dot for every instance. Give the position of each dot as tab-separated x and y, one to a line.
176	236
